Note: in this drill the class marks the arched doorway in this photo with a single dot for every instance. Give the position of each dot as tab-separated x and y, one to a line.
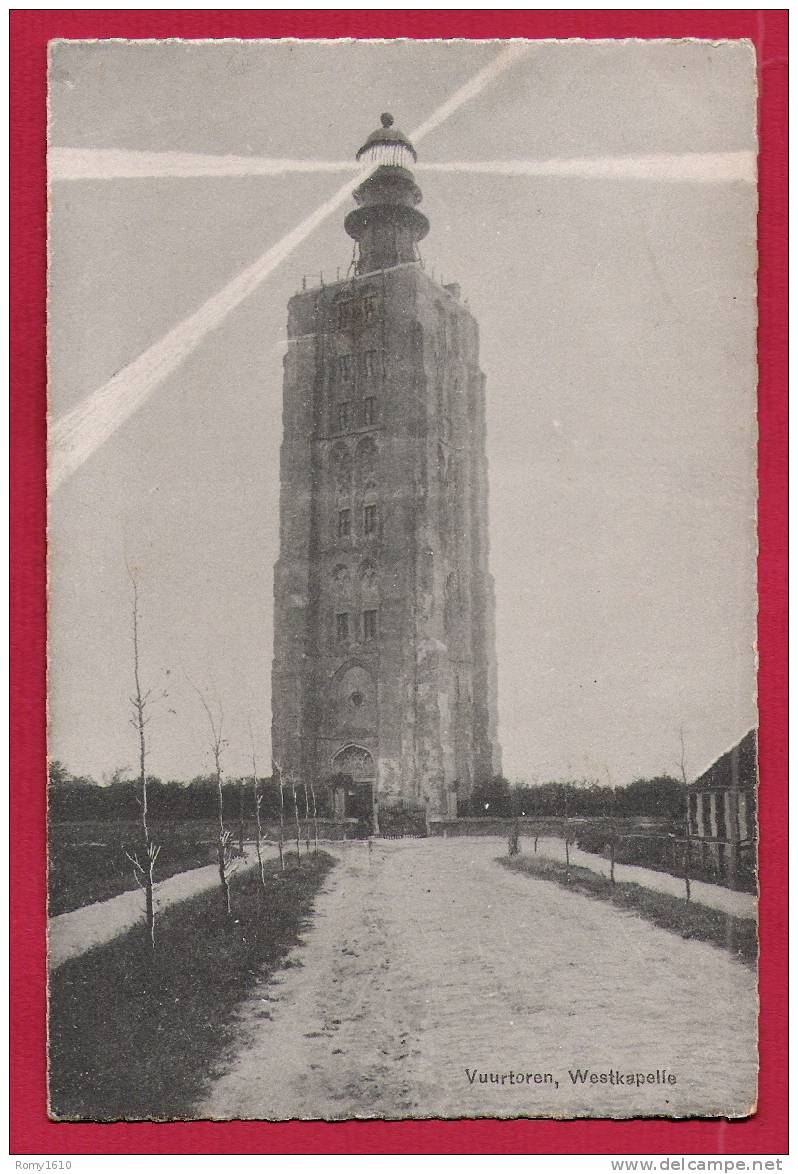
354	796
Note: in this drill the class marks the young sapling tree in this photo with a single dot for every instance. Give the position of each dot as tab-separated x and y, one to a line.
257	798
293	783
307	818
240	817
687	853
315	821
144	868
277	771
223	842
512	843
567	827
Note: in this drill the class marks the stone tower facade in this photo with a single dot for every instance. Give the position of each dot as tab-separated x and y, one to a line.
384	672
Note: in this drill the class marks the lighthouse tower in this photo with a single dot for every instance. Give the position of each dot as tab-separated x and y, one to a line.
384	672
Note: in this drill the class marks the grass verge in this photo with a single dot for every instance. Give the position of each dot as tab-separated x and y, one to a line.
137	1036
738	935
653	854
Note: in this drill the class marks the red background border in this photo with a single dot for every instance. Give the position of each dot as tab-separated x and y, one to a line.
31	1132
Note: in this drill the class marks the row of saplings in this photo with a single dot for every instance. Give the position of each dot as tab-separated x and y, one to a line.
612	838
144	862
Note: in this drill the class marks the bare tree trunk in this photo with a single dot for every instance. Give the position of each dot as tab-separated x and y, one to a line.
613	827
307	819
512	843
149	905
282	824
240	817
315	821
221	856
298	829
256	799
224	837
223	840
143	871
687	865
567	826
687	853
277	771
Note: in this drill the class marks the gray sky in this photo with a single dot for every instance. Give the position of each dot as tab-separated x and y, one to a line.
617	336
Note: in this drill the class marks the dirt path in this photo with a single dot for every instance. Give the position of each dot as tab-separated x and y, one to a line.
427	960
715	896
71	934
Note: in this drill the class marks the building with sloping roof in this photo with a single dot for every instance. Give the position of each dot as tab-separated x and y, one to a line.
721	811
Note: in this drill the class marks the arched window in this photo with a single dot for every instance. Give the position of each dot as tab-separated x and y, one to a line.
341	469
366	455
366	465
369	599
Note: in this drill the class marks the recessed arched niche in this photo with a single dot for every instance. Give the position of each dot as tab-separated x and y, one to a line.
353	699
355	761
369	578
342	581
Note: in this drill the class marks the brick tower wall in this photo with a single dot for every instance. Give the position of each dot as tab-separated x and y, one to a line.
384	410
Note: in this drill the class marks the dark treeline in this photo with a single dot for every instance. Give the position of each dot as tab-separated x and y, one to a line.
663	797
73	797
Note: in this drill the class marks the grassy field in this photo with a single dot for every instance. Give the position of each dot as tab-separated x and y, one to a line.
87	861
686	918
137	1036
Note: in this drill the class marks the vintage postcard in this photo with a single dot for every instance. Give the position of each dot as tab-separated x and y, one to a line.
402	579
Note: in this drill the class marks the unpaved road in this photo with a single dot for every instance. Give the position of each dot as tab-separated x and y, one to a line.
426	959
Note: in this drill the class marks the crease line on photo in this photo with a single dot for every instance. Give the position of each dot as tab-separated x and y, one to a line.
80	432
76	163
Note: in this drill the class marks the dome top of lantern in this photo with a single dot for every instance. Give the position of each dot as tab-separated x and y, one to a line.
387	146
